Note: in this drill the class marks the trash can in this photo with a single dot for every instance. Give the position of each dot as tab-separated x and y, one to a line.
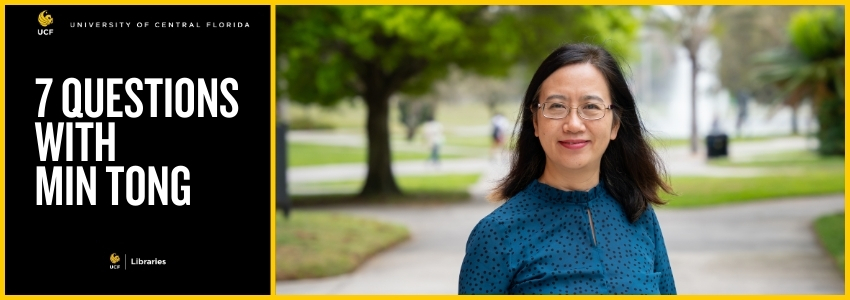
717	145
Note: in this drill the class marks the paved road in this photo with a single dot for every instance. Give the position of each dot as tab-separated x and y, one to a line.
765	247
756	248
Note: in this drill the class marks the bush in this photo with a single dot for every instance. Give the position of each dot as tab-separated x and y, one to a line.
302	123
831	120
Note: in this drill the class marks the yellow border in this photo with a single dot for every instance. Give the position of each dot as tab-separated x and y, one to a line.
273	121
273	138
420	2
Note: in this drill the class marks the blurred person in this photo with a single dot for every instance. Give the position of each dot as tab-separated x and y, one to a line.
500	127
433	132
578	216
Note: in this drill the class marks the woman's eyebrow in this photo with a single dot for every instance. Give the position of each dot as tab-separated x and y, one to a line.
556	96
591	97
565	98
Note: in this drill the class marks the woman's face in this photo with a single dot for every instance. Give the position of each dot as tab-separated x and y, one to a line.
573	143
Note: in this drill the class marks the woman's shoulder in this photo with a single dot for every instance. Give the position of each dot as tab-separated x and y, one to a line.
515	209
494	219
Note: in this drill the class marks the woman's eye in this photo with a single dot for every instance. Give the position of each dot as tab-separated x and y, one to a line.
592	106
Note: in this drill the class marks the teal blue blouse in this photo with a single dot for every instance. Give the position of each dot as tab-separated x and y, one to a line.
548	241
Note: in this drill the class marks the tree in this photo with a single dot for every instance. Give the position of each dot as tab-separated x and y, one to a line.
742	32
373	52
811	67
690	26
414	112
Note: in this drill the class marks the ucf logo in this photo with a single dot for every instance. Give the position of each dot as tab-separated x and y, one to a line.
45	20
114	259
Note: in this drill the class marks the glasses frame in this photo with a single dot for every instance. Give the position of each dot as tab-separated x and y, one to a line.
541	106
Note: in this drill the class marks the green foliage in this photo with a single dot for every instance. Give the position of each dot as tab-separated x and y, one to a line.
831	121
333	51
320	244
812	68
329	52
742	32
816	32
541	28
304	123
830	230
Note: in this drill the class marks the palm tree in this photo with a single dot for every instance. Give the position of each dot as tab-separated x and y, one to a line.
811	68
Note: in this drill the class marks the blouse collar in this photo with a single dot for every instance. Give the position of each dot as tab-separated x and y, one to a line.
552	194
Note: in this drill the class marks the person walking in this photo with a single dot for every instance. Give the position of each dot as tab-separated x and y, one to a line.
433	131
500	126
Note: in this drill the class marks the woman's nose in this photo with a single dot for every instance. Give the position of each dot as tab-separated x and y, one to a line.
573	122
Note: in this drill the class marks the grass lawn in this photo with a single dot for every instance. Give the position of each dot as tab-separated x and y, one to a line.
319	244
795	159
700	191
793	175
353	115
469	141
830	231
673	142
302	154
416	189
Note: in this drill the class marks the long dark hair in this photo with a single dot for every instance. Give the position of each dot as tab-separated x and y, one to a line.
632	181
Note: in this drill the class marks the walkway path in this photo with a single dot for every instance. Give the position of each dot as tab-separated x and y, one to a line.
765	247
756	248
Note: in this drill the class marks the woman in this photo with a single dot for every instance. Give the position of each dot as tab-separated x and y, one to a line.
578	219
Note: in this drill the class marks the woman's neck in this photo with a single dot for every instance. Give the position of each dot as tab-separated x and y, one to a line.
570	180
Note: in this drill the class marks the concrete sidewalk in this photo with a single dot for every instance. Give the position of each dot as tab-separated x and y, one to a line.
766	247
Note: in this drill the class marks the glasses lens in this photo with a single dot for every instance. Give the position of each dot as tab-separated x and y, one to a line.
554	110
592	110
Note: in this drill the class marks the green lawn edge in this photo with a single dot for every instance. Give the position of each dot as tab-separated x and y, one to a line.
830	232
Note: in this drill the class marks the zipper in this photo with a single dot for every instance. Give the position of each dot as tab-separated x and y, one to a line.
590	220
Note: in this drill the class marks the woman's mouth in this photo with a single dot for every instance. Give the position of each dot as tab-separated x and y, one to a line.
574	144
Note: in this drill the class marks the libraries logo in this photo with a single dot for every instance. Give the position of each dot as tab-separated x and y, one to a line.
117	263
114	259
45	20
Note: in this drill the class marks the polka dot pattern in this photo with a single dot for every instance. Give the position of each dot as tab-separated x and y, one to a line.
541	242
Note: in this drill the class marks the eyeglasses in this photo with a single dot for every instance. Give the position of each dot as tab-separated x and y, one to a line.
591	110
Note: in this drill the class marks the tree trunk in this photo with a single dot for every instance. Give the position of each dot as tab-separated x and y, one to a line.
411	132
379	179
794	119
694	70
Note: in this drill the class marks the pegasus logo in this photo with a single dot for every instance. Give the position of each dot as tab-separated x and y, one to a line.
114	258
44	19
